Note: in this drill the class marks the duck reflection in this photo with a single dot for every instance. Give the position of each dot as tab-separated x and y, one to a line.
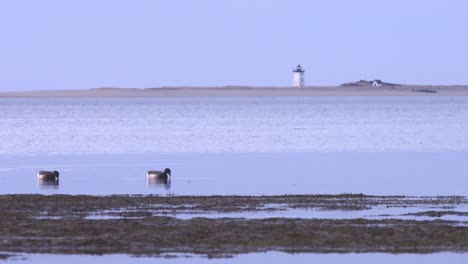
159	183
48	184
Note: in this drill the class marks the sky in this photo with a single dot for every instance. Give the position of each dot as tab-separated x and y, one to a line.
81	44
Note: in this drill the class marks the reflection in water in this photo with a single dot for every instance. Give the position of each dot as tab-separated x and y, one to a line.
48	184
156	182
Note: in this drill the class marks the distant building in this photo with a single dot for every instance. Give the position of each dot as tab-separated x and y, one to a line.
372	83
298	76
377	83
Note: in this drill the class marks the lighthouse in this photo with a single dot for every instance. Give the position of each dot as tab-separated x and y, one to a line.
298	76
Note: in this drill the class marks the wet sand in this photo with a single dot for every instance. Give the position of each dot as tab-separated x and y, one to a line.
403	90
59	224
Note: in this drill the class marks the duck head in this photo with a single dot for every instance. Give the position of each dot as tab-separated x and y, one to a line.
167	171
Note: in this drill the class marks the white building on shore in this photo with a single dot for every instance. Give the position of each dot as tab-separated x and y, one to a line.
298	76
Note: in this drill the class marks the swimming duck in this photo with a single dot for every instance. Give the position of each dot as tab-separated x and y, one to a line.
48	175
159	174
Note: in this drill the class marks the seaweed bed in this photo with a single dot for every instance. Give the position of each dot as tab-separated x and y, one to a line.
59	224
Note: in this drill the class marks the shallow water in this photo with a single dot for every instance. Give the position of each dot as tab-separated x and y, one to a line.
374	213
237	145
387	173
270	257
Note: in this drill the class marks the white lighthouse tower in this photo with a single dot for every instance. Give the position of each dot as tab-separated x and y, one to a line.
298	76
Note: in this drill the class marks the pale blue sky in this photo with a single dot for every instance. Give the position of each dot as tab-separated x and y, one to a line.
80	44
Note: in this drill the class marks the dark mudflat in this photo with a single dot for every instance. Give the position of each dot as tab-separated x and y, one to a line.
58	224
82	205
6	256
439	213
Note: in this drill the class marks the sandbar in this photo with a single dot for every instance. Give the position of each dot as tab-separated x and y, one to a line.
227	91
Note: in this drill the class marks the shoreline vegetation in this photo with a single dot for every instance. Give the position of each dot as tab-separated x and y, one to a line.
386	90
128	224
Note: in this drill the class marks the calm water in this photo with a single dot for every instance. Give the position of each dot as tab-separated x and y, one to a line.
244	173
269	257
372	145
223	125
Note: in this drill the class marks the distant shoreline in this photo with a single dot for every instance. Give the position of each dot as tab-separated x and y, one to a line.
228	91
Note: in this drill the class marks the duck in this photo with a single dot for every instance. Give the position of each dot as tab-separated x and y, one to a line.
159	174
48	175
